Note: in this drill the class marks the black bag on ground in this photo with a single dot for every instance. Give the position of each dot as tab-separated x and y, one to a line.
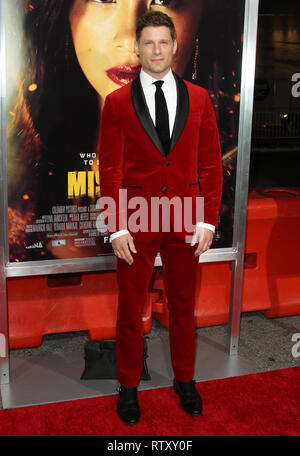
100	360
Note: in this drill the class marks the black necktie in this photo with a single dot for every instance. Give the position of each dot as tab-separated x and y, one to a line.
162	116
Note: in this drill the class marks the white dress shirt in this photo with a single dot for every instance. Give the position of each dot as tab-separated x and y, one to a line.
170	91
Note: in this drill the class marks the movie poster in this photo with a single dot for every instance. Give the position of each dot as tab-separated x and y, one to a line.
63	57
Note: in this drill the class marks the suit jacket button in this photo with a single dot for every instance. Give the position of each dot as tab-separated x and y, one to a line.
164	188
168	163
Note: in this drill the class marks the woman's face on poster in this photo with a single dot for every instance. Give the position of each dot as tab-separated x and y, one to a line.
104	34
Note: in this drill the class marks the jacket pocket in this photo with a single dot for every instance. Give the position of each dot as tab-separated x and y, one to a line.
131	186
197	183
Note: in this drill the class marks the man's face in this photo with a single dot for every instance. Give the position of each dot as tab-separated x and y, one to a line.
156	49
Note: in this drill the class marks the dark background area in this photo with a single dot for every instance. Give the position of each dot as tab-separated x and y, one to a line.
275	152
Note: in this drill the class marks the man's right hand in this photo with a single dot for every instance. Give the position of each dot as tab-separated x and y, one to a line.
122	246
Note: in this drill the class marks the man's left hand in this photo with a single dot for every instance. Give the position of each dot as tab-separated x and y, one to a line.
204	237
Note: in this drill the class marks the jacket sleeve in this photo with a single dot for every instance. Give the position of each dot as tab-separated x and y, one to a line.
111	150
210	169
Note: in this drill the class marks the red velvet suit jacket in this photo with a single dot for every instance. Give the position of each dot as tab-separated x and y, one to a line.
132	157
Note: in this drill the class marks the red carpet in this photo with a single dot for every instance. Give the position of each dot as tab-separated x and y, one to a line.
265	404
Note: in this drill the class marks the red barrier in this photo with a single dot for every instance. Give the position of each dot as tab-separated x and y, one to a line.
273	228
58	304
79	302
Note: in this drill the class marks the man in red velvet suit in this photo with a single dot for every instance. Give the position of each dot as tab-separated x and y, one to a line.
158	139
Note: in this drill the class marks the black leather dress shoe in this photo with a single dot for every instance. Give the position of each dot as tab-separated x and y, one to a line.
190	400
128	408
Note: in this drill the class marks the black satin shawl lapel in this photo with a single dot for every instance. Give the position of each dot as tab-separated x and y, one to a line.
182	110
143	114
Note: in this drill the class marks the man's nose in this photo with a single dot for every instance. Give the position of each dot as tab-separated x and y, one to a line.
156	48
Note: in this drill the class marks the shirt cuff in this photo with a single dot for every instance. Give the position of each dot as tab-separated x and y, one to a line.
206	225
122	232
117	234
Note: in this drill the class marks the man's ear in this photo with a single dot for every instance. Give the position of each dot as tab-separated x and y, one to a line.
136	48
175	47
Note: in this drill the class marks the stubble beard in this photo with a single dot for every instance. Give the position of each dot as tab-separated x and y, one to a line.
158	69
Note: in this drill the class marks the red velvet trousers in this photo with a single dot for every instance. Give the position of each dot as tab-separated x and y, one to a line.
180	268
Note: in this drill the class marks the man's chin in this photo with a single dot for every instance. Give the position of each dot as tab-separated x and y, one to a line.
158	70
